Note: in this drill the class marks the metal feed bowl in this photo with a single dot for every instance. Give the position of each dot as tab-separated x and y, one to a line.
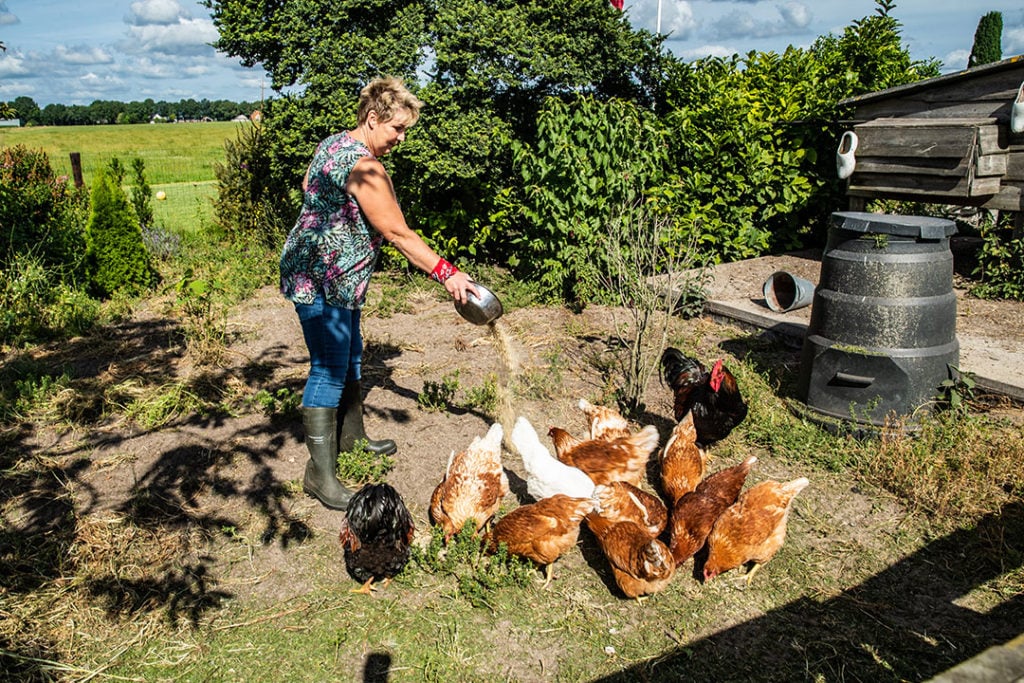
480	310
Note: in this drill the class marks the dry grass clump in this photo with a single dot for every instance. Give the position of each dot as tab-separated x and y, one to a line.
954	467
103	585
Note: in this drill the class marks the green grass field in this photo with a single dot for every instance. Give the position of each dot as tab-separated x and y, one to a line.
172	153
179	160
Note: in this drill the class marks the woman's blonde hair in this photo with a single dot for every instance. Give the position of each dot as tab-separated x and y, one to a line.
387	96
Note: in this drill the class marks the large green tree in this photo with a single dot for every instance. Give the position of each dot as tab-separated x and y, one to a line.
988	39
483	67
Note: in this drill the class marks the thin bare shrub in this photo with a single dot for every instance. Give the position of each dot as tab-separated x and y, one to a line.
649	274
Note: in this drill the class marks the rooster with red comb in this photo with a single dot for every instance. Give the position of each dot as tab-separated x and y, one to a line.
713	397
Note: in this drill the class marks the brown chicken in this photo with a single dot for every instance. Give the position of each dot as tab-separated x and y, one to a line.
474	484
683	462
713	397
621	459
694	514
605	423
620	501
752	529
541	531
641	564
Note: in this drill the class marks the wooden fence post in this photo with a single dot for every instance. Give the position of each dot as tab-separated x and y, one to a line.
76	168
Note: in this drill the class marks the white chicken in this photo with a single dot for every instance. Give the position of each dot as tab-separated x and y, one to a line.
545	475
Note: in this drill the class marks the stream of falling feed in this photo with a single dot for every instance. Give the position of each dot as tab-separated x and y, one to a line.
506	412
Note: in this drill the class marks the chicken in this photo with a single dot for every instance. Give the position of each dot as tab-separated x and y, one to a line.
605	423
694	514
545	475
474	484
621	459
541	531
620	501
683	462
641	564
713	397
563	441
376	535
752	529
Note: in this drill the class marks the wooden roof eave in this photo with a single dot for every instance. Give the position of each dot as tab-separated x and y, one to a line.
937	81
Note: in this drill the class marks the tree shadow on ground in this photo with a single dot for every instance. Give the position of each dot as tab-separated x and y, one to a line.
902	624
133	535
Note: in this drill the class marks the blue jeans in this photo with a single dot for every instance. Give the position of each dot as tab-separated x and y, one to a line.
335	345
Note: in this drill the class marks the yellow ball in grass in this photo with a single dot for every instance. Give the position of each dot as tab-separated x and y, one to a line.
161	195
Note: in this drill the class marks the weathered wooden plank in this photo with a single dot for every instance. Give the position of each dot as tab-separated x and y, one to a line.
936	140
916	122
1015	166
940	166
989	81
928	159
998	110
919	185
1009	198
991	165
992	139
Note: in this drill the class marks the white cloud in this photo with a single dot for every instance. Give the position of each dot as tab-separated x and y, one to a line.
677	18
13	66
188	36
94	86
82	54
160	12
6	17
1013	41
955	60
794	19
796	14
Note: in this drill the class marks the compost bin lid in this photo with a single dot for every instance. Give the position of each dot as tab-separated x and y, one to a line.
924	227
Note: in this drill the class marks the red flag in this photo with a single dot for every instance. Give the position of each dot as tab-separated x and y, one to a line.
617	4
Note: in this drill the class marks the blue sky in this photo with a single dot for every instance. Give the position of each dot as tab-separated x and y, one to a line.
74	52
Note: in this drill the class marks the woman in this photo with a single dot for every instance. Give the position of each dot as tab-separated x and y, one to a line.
348	210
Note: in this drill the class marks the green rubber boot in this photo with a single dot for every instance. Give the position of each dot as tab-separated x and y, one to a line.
352	428
321	480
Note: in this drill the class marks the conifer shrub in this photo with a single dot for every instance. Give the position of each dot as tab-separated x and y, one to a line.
142	195
117	257
988	38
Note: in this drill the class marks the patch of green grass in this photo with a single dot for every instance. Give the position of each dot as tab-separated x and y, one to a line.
484	397
361	466
187	209
438	396
172	153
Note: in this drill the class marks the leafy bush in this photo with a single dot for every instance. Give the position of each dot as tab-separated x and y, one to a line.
590	158
42	215
35	304
250	206
117	257
1000	269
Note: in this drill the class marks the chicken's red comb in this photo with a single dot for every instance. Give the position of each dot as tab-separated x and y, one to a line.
716	375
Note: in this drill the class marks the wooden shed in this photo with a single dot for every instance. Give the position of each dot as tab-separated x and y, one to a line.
944	140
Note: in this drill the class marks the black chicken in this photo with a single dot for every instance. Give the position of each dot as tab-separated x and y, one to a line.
713	397
376	534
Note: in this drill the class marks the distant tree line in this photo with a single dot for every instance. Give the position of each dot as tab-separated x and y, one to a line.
102	112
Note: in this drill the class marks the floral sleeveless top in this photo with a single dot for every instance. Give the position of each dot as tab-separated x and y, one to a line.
331	249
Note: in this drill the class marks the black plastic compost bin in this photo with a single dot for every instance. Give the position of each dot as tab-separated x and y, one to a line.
882	335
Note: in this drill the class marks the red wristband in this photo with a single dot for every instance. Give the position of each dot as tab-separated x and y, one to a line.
442	271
